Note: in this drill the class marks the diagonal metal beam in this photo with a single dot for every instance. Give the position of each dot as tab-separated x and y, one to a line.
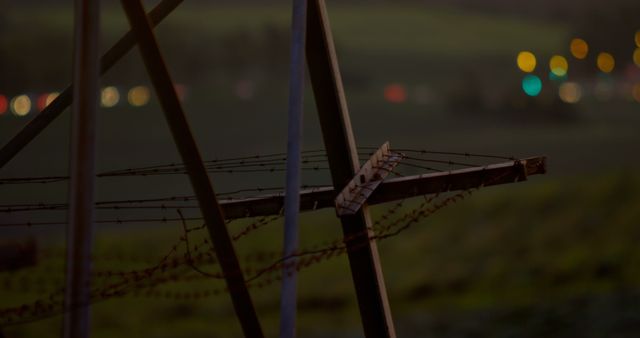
57	106
190	154
343	162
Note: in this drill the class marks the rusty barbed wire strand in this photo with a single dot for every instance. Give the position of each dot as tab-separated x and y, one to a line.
232	165
127	204
40	308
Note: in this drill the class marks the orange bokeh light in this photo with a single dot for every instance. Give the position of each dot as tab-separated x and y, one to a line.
579	48
606	62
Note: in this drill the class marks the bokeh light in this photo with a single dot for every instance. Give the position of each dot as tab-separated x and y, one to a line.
395	93
424	94
181	91
4	104
245	89
559	65
606	62
109	97
526	61
570	92
21	105
557	78
638	38
579	48
52	96
635	92
139	96
41	102
532	85
636	56
605	87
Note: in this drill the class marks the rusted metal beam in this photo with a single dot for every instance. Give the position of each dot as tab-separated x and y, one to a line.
343	162
394	189
82	169
60	103
192	159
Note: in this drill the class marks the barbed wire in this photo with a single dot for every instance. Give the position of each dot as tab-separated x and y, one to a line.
134	280
189	267
138	204
270	163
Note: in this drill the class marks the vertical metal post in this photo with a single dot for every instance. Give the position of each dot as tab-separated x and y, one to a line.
344	164
82	168
292	195
190	154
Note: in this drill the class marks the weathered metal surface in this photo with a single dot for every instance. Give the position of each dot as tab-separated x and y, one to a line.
343	162
365	182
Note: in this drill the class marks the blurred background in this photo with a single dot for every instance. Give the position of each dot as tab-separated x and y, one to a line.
555	256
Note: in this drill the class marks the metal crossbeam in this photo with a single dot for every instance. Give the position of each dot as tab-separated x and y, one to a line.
365	182
190	154
60	103
395	189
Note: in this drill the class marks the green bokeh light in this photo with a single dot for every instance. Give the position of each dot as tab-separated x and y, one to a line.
557	78
531	85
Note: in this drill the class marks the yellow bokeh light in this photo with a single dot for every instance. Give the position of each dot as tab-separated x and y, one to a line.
570	92
109	97
638	38
606	62
526	61
559	65
21	105
636	57
635	92
579	48
139	96
52	96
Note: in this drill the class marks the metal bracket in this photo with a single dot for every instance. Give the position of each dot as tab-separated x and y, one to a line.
370	176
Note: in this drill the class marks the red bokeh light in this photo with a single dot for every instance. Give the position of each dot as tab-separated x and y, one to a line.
42	101
4	104
395	93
